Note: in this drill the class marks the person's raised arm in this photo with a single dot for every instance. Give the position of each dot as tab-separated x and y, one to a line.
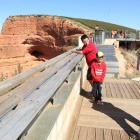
79	52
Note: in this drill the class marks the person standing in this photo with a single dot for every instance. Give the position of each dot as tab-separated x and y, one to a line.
89	50
98	72
97	28
96	32
124	35
115	34
112	34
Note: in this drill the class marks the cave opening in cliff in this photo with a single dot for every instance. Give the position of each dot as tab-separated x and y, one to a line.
37	53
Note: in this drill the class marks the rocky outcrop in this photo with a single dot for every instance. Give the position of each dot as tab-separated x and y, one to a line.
26	41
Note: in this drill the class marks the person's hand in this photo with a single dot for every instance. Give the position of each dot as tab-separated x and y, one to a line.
78	49
73	51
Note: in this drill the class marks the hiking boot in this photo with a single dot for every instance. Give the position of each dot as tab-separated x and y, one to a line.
93	99
99	102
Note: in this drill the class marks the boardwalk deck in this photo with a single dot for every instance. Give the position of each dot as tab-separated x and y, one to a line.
112	121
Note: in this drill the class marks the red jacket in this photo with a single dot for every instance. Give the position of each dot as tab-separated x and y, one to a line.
98	71
90	53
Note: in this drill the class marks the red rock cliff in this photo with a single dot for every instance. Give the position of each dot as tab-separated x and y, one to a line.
26	41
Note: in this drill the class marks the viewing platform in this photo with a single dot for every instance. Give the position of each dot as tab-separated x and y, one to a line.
113	120
52	101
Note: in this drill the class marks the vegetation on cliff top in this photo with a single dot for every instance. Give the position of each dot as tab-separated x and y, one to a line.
103	25
90	23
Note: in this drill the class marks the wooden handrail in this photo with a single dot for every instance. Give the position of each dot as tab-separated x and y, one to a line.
11	99
15	123
20	78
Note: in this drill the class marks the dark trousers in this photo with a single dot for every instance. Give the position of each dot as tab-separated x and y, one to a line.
97	90
89	77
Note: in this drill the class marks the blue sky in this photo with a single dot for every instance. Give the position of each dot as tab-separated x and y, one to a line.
121	12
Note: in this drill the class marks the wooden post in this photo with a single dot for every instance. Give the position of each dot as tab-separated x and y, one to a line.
138	62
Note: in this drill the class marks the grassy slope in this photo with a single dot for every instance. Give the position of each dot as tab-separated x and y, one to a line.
103	25
92	23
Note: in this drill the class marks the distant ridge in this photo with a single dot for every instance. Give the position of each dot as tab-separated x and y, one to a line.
103	25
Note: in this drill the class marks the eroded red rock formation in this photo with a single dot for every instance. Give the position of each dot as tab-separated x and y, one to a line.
26	41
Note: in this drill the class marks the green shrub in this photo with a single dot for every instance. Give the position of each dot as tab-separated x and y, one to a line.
39	15
116	76
3	77
63	20
12	20
19	68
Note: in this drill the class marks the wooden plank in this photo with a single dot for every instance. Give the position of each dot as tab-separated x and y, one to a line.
116	135
131	91
135	89
108	90
10	100
112	80
104	90
126	91
18	121
83	133
113	91
99	134
122	92
107	134
76	135
124	135
117	90
137	83
91	134
16	80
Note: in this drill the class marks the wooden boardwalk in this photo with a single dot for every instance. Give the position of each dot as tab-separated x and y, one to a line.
111	121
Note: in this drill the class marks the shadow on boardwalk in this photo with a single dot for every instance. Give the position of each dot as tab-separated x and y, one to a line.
117	114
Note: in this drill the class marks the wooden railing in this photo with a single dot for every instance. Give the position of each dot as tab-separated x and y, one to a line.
25	95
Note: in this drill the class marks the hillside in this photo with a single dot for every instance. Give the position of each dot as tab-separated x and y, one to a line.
103	25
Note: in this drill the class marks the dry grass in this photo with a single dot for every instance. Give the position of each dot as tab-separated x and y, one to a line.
130	56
